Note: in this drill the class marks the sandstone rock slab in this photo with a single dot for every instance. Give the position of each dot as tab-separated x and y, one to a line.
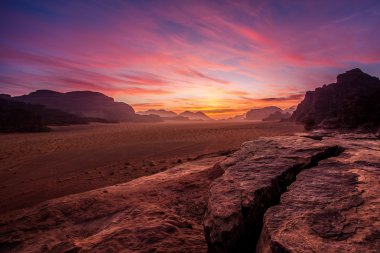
253	180
158	213
333	207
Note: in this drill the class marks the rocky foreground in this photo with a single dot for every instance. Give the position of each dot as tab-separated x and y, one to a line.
314	193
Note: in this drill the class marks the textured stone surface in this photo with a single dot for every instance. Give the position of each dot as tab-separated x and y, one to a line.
253	180
158	213
333	207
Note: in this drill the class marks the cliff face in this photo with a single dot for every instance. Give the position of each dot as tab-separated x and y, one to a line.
82	103
352	102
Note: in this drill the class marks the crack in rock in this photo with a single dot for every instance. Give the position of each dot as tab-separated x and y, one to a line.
254	179
332	207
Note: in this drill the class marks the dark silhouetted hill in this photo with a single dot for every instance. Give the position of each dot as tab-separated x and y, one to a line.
82	103
352	102
21	117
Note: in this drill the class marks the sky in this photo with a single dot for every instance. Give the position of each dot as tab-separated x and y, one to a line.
219	57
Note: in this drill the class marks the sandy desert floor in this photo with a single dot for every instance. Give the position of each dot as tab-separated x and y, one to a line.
41	166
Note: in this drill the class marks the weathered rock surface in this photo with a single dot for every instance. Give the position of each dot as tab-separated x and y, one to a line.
352	102
158	213
333	207
253	180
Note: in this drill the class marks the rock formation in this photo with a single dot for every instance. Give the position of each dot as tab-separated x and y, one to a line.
352	102
332	204
261	113
161	113
195	115
157	213
333	207
82	103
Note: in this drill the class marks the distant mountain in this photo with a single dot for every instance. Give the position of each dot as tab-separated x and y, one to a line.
81	103
290	109
235	118
195	115
21	117
277	116
146	118
261	113
352	102
176	118
161	113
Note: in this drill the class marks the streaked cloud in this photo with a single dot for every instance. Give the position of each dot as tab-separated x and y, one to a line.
219	57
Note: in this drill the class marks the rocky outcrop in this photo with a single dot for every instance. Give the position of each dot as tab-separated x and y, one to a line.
195	115
333	207
261	113
277	116
254	179
351	102
81	103
158	213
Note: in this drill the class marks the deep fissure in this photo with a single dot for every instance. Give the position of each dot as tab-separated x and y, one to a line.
289	177
267	197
